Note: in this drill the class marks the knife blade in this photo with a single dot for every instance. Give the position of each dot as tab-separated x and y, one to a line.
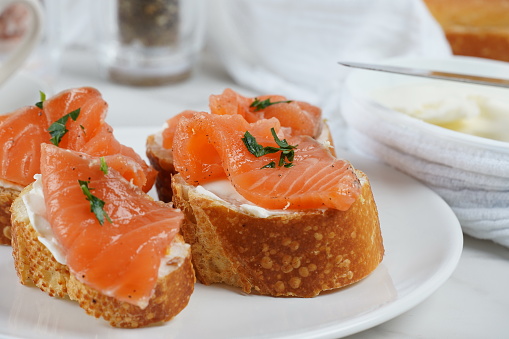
466	78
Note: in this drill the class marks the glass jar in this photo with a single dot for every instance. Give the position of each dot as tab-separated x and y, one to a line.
148	42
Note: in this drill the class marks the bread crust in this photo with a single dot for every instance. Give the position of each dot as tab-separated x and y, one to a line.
488	43
474	27
7	196
292	254
35	263
162	160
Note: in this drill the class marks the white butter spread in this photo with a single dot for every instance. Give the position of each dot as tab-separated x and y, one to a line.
482	113
223	190
36	210
158	136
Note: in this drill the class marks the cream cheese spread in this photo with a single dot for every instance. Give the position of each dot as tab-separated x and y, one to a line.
223	190
158	136
36	210
482	113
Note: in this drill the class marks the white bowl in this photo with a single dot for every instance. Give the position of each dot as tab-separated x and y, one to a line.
471	173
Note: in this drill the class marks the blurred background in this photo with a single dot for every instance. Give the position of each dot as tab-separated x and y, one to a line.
281	46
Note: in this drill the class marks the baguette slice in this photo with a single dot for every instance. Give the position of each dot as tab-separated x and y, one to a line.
162	160
289	254
7	196
35	263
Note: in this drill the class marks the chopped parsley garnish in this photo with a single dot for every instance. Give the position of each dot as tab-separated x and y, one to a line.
96	204
262	104
271	164
287	151
42	96
57	129
104	166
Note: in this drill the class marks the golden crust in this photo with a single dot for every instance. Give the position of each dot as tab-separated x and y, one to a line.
491	44
294	254
7	196
472	13
162	160
34	263
474	27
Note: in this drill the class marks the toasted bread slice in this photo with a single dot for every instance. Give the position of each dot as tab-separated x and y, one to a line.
474	28
286	254
162	160
7	196
35	263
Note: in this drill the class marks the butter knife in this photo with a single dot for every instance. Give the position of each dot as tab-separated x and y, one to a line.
472	79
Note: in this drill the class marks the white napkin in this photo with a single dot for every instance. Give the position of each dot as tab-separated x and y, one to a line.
292	47
474	181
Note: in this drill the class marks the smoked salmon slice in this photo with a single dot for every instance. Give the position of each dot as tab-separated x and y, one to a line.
210	147
302	117
121	257
23	131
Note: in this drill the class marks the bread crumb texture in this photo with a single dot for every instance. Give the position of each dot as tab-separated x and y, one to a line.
34	263
295	254
7	196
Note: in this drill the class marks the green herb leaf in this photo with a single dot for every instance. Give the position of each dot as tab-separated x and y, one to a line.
42	96
287	150
96	204
57	130
253	146
271	164
104	166
281	143
258	105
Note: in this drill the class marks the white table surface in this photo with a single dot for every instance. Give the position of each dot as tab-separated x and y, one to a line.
473	303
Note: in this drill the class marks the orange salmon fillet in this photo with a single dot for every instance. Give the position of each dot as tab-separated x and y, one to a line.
23	131
303	118
209	146
121	258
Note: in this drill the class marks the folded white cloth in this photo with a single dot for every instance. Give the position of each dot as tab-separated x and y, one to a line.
291	47
474	181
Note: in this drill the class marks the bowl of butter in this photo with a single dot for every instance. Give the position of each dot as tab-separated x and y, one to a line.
454	137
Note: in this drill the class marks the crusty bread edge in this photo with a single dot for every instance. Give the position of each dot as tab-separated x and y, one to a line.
295	254
7	196
35	263
162	160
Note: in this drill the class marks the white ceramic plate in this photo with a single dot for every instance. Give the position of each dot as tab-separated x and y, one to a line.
423	243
